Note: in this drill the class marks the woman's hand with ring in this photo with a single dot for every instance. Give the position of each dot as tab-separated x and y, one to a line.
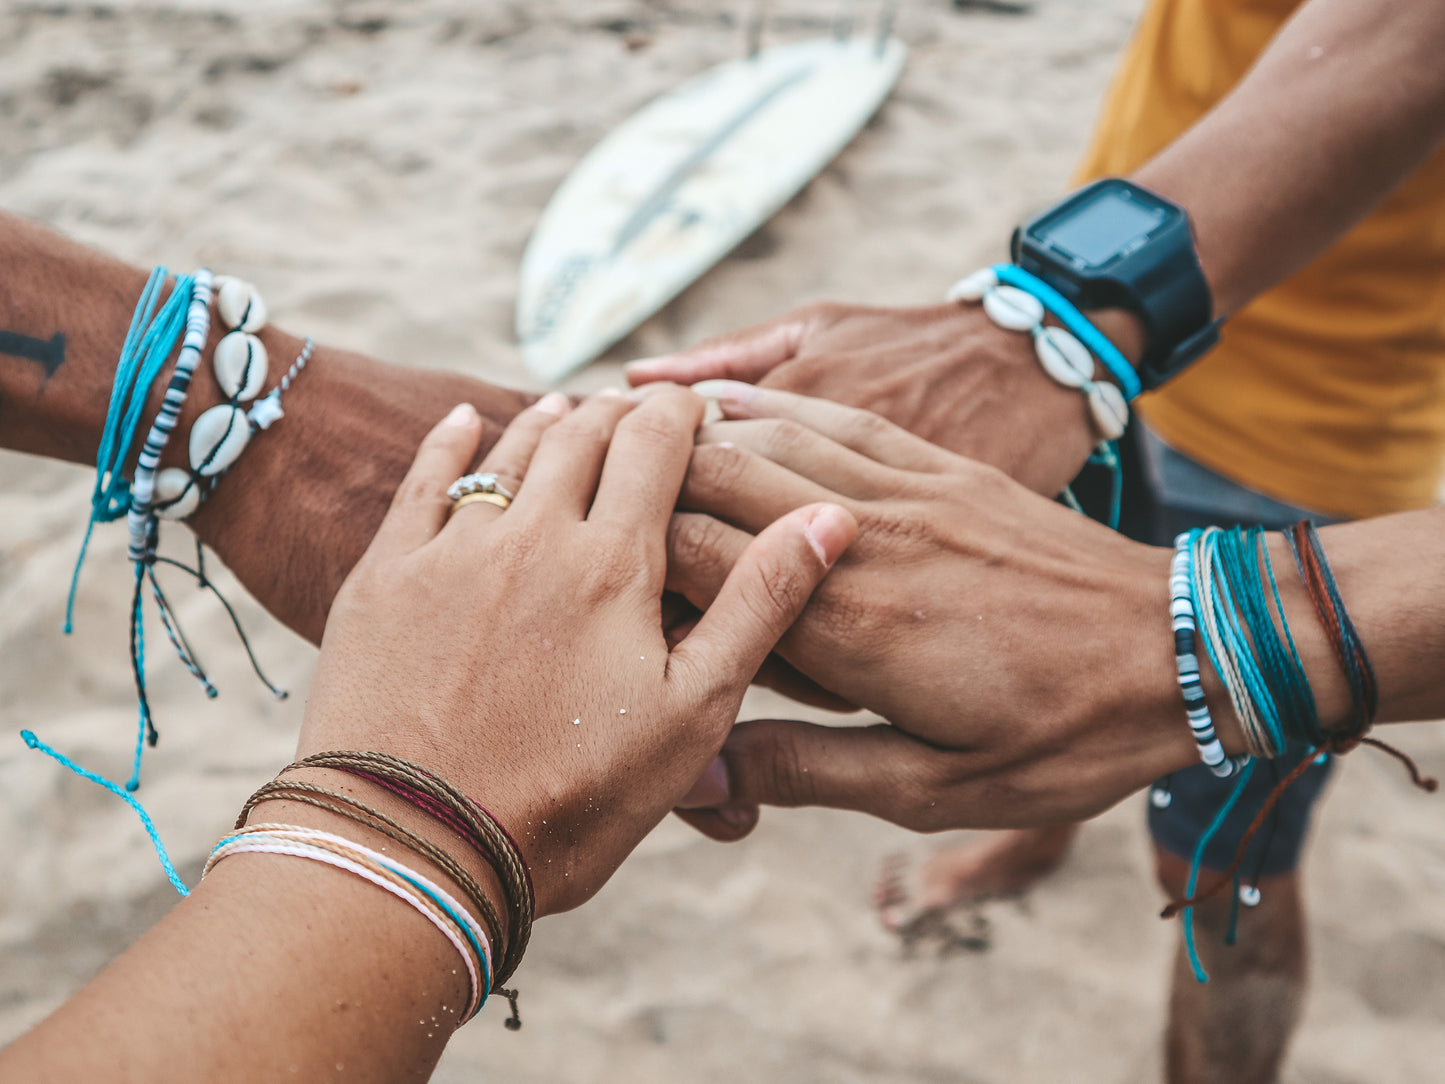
520	653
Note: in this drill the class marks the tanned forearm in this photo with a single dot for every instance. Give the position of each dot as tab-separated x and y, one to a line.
273	968
1344	104
299	507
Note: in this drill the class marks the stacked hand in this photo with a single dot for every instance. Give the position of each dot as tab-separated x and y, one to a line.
520	654
972	614
943	372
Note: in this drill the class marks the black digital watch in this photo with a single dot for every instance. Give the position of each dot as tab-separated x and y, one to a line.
1116	245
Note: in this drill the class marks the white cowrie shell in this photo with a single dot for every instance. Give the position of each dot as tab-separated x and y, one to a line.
240	362
175	497
974	286
1063	357
217	439
240	305
1111	412
1013	309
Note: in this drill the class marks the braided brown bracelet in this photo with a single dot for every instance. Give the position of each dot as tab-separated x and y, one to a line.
445	802
346	806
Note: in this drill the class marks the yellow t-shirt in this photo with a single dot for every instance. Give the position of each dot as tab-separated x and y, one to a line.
1328	392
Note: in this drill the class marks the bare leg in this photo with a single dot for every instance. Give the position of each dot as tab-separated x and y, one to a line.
1004	864
1235	1028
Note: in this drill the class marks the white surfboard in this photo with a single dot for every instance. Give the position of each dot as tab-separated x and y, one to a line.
679	184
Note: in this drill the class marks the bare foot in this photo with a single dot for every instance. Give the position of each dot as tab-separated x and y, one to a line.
911	903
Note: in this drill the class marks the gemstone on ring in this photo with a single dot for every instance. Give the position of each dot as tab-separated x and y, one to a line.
478	483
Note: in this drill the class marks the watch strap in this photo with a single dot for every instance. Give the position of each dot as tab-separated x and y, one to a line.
1153	373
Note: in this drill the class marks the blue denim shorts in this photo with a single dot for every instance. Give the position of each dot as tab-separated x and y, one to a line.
1165	493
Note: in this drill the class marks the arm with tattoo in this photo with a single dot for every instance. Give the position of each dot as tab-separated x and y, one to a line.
299	508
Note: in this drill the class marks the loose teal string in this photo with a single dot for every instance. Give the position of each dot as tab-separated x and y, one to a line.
1107	455
35	743
1200	974
142	357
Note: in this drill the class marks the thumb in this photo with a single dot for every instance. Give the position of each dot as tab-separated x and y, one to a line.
747	355
761	598
877	770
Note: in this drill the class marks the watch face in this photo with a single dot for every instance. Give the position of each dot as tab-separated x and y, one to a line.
1110	223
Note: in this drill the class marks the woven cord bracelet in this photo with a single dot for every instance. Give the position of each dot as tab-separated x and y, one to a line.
491	840
345	806
432	901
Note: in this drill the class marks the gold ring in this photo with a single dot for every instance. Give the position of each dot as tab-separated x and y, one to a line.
501	500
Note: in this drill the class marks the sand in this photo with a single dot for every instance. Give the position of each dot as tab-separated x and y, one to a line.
377	168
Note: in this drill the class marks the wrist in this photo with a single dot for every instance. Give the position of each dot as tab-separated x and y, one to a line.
321	464
299	508
1124	329
304	815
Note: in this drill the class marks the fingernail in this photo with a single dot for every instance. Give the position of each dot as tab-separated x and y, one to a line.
644	365
732	391
554	402
829	531
711	789
609	393
462	415
637	395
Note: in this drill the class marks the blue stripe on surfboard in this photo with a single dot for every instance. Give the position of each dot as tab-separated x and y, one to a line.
661	198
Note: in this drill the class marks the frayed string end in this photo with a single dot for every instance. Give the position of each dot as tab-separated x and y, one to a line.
64	761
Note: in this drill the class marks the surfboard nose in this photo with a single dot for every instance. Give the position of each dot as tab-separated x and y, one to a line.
675	187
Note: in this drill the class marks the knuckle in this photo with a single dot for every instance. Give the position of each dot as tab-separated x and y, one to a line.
652	428
982	480
615	556
923	789
417	490
779	587
779	437
783	776
823	311
362	589
867	426
898	526
851	622
715	469
775	592
580	431
509	478
695	542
